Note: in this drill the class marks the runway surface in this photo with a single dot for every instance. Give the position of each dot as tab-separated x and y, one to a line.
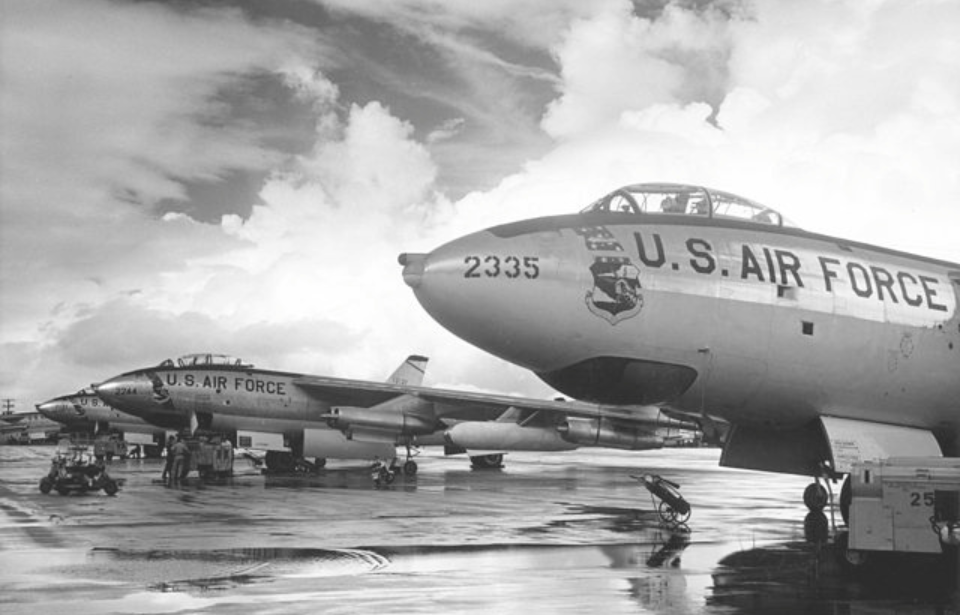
550	533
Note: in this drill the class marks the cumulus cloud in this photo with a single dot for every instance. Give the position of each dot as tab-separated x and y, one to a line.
616	61
840	114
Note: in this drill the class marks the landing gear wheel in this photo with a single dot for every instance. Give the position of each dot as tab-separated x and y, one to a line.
815	496
846	497
62	489
45	485
487	462
410	467
320	462
850	560
111	488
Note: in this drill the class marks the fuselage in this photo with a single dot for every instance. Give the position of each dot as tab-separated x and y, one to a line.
220	397
761	324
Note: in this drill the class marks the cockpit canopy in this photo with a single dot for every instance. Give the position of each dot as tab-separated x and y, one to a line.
198	359
684	200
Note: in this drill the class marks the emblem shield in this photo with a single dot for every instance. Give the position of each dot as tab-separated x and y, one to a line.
615	295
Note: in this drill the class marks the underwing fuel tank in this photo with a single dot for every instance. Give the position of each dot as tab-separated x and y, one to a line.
475	435
608	434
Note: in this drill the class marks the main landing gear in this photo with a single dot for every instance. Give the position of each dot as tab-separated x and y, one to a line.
816	497
409	466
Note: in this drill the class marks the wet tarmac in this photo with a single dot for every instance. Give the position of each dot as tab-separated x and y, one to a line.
550	533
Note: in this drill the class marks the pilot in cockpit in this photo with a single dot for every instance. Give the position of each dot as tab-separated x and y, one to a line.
678	205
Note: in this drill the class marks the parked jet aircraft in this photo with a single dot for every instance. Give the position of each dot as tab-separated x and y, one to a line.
291	415
819	351
85	412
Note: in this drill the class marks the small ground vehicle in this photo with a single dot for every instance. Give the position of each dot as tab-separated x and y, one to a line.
383	473
73	469
673	510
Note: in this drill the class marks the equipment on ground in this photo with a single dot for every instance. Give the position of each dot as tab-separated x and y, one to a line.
74	469
211	455
673	510
903	505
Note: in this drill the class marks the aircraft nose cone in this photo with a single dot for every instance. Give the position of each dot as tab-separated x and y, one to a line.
413	265
498	292
48	409
58	410
128	393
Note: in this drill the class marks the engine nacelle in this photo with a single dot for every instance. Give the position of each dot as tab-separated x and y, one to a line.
389	419
608	434
491	436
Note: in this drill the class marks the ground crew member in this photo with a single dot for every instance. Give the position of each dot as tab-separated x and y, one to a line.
169	462
180	452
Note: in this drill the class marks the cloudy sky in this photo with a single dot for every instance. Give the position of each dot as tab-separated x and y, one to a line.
238	176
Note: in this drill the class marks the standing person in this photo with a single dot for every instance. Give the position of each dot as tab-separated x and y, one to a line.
180	452
169	463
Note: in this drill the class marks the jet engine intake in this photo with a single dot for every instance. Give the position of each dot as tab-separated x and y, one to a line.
607	433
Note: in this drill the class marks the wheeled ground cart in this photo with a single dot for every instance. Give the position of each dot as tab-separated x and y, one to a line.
673	510
74	470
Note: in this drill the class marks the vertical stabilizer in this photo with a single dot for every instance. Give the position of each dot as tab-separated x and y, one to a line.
410	371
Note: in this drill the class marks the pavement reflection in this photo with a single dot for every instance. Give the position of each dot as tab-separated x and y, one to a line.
561	532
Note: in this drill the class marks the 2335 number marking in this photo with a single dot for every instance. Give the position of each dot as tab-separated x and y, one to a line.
512	267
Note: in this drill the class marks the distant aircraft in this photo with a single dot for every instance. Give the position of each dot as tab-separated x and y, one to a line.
26	427
83	411
819	351
296	416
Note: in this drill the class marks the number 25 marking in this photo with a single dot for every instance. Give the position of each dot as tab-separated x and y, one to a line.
926	498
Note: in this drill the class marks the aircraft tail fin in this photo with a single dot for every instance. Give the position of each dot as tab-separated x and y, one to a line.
410	371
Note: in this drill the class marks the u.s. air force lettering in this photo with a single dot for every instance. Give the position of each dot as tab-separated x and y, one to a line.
882	291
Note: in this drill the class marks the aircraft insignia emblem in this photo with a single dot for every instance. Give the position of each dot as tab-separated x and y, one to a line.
78	409
160	393
615	295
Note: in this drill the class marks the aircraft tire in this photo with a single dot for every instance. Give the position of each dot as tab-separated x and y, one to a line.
62	489
45	485
846	498
487	462
320	462
110	488
815	496
850	560
410	468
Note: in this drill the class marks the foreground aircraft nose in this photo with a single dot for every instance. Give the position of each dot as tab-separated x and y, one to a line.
498	291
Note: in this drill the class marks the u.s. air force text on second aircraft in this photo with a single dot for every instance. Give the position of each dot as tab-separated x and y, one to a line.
219	383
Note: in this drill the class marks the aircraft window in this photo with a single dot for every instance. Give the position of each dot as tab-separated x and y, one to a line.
731	206
680	199
191	360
